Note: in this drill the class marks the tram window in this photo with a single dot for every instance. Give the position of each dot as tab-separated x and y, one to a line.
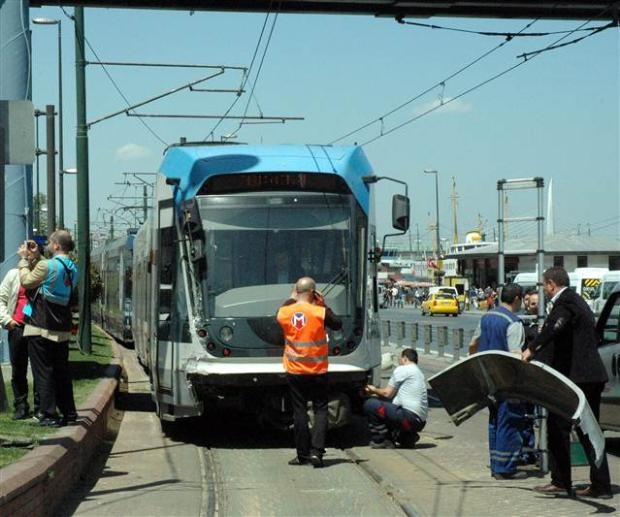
166	270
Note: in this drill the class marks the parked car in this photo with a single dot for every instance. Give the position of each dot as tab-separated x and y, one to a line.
440	303
608	282
608	330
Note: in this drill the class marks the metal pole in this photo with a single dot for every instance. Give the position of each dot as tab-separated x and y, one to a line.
37	202
437	240
500	230
81	144
61	165
145	205
51	168
541	246
2	229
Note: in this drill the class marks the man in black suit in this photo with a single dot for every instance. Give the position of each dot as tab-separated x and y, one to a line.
569	335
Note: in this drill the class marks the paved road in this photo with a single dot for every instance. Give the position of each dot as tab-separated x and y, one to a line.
228	466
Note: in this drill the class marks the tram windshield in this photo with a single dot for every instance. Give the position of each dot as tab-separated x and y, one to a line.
257	245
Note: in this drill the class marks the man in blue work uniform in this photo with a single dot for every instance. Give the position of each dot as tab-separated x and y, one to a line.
501	329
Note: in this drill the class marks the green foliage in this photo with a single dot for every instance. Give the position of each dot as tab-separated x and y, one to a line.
87	372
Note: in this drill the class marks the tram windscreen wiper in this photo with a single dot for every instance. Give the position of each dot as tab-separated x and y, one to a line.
340	278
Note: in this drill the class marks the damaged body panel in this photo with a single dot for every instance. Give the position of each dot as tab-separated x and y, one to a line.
468	386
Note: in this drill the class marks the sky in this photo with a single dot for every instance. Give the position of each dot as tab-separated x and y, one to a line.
555	115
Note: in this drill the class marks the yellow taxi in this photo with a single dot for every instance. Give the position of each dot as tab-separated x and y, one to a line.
441	303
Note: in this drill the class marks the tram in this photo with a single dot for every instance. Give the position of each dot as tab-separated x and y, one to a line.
113	262
231	229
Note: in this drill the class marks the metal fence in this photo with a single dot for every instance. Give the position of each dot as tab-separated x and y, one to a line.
427	337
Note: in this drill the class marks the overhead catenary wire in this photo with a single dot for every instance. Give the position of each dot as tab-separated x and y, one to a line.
441	83
477	86
246	77
116	87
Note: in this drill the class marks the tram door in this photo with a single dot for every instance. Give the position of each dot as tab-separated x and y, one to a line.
163	302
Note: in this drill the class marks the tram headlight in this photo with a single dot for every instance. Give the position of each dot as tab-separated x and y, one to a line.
226	334
202	333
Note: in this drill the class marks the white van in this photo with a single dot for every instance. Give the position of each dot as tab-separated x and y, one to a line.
586	282
526	280
608	282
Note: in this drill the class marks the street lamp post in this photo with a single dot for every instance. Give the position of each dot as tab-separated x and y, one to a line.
61	196
437	240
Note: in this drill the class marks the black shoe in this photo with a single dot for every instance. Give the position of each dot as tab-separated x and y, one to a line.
317	461
49	422
385	444
550	489
519	474
299	460
20	414
70	418
595	493
407	440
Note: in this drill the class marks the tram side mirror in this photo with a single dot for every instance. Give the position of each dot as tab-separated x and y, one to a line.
400	212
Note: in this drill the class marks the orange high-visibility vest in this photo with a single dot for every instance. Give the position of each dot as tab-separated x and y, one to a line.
305	350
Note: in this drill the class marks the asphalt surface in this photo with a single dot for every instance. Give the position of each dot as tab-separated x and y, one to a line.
142	472
146	473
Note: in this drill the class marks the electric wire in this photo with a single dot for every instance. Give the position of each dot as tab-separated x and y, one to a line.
596	30
430	88
118	89
508	35
485	82
245	79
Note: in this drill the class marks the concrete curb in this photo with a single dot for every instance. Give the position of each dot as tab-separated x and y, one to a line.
37	483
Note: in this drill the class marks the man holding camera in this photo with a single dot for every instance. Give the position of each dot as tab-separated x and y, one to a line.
48	327
303	319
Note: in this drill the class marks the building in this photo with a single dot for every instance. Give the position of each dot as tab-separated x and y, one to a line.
479	264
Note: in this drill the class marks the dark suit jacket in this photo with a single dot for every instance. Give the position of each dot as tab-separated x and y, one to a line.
568	341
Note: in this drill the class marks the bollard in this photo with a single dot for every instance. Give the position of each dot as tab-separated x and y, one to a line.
389	330
401	334
457	343
414	335
442	340
427	338
384	334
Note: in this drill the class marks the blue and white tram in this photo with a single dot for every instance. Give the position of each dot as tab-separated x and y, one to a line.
112	310
231	230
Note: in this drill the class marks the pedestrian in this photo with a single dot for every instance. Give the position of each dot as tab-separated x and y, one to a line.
48	327
13	300
501	329
569	333
530	326
303	319
398	412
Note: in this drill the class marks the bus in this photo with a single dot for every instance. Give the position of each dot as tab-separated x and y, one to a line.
231	229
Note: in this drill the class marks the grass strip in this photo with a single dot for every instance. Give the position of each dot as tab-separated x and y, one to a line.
19	436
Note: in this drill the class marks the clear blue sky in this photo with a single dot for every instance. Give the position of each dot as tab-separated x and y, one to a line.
557	116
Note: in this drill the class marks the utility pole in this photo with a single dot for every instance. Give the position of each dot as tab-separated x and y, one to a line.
51	167
454	197
83	208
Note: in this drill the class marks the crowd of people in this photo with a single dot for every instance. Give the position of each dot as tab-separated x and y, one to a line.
397	412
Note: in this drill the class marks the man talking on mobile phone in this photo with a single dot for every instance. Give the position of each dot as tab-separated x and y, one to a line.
303	319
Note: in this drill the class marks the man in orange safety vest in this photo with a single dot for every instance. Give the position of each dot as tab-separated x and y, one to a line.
303	318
